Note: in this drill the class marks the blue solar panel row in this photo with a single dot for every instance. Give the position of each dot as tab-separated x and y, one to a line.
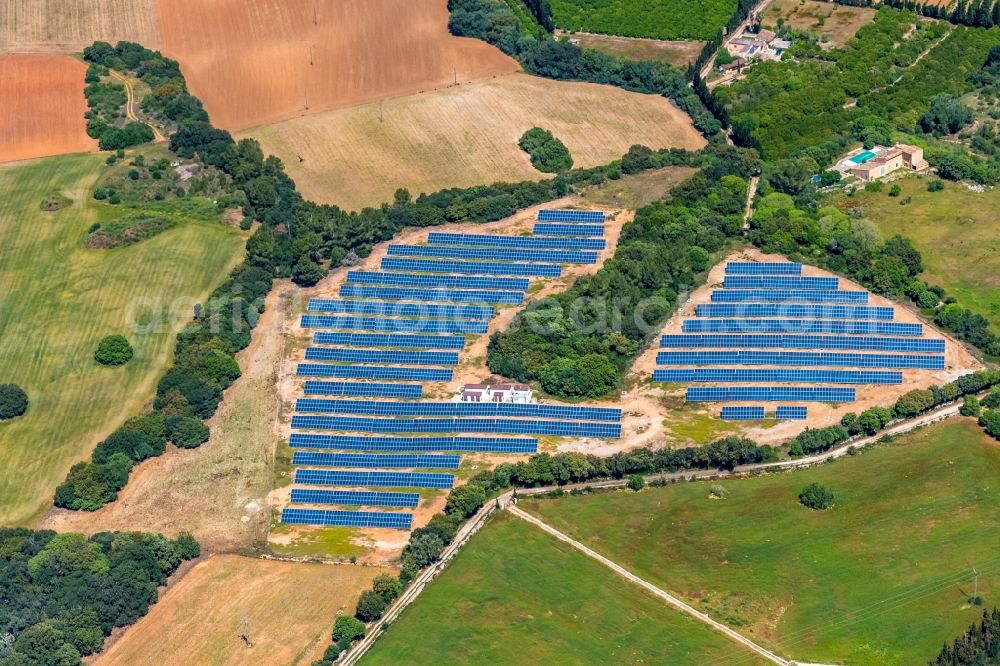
471	267
319	517
364	389
463	326
752	341
389	340
373	372
786	295
375	461
780	282
522	242
357	478
790	310
390	356
459	425
769	394
442	295
394	309
355	443
447	281
584	230
763	268
793	412
800	326
571	215
730	413
889	361
355	498
778	375
377	408
494	254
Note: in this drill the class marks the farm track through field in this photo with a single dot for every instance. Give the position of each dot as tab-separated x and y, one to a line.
130	105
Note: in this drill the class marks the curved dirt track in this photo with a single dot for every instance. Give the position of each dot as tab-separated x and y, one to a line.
255	62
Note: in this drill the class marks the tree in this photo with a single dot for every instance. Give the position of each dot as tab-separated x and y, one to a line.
371	605
946	115
816	496
636	482
970	406
547	153
874	419
347	628
187	432
13	401
388	587
113	350
465	500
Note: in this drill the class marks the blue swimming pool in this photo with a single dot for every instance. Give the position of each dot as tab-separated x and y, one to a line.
863	157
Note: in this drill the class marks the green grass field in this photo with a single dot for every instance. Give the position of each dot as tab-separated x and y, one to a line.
652	19
956	231
514	595
59	298
882	578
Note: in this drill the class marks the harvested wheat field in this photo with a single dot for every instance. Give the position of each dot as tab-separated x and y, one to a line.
465	135
42	107
291	607
70	25
254	62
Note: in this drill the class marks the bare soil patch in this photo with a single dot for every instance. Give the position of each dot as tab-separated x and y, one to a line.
42	107
291	607
465	135
835	24
70	25
255	62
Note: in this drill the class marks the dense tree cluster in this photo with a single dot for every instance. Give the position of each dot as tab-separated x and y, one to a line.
580	342
978	646
113	350
63	593
495	22
13	401
651	19
547	153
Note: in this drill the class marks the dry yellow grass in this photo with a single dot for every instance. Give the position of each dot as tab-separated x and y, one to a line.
69	25
834	23
465	135
199	620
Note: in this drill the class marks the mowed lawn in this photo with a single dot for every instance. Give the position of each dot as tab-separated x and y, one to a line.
956	231
59	299
882	578
514	595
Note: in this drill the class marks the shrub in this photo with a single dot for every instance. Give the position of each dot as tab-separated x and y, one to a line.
113	350
548	153
970	406
816	496
636	482
371	605
718	492
388	587
13	401
347	628
935	186
895	190
187	432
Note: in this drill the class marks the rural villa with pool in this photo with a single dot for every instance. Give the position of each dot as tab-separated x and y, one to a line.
873	164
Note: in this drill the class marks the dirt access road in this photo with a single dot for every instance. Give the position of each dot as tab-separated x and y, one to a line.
130	105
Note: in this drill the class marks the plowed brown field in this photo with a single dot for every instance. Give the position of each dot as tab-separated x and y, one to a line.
41	106
69	25
255	62
465	135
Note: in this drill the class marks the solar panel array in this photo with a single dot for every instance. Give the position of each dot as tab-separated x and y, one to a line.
375	461
865	343
373	372
571	215
471	267
355	498
451	281
590	230
791	412
364	389
390	356
778	375
763	268
522	242
800	326
446	295
464	326
779	282
415	312
390	340
787	295
362	443
730	413
393	309
793	310
513	410
326	518
892	361
769	394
